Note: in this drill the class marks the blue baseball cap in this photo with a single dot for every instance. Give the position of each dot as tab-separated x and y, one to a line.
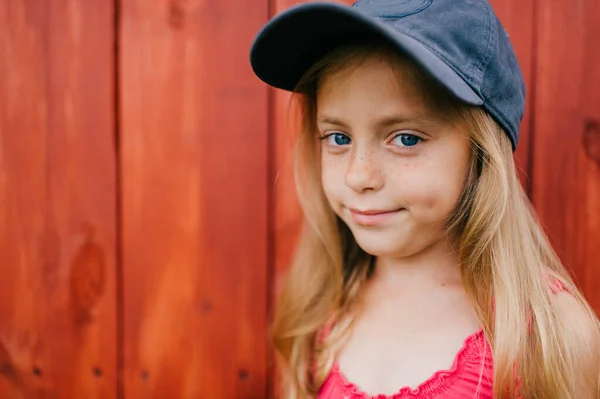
460	43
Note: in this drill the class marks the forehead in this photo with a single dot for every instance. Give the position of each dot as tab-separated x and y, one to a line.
376	83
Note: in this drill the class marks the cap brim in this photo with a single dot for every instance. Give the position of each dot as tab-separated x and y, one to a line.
294	40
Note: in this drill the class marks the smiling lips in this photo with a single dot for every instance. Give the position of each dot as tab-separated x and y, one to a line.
372	217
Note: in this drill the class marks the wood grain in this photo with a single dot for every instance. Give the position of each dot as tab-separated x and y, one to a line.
194	160
206	178
57	200
566	166
518	17
288	215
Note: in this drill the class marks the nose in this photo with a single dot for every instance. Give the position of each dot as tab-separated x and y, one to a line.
364	171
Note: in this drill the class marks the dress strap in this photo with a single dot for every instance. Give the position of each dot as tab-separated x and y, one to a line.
555	284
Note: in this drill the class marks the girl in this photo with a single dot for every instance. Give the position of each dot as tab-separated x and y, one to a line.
422	271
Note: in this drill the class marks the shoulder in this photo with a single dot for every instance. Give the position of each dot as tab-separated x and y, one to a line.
583	337
578	317
574	312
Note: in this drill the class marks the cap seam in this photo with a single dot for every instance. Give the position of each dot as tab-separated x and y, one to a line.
450	63
484	61
426	4
508	126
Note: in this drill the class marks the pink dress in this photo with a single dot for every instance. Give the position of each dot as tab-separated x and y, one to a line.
469	377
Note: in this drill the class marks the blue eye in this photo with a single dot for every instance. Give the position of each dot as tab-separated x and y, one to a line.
406	140
336	139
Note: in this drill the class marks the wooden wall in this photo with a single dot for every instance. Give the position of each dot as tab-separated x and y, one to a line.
147	209
193	167
565	168
58	193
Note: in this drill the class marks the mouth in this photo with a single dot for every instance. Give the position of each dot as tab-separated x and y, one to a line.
372	217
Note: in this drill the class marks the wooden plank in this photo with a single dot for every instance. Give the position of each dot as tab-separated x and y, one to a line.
566	165
288	215
57	200
517	17
194	171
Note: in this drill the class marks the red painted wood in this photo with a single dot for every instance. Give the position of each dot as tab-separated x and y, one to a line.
517	17
566	165
195	176
57	200
286	212
194	146
288	216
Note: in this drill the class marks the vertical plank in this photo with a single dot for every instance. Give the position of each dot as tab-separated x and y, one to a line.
288	215
566	165
518	18
57	200
194	174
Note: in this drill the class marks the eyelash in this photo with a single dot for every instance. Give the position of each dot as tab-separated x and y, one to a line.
327	136
333	134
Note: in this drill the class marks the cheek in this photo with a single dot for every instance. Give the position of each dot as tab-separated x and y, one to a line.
332	178
431	189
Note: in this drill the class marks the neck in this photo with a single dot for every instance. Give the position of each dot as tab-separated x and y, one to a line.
436	265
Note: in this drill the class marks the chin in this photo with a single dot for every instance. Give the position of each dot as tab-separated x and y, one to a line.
381	246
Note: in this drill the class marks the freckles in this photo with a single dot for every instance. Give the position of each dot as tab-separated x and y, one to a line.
405	171
333	166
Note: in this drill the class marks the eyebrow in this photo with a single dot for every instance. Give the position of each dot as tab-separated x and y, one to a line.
384	122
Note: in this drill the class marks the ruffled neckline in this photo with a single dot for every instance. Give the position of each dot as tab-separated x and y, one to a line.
431	386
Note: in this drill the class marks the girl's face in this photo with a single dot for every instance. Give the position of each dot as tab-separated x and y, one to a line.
392	168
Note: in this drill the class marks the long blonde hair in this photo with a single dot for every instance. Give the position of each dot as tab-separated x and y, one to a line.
504	257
